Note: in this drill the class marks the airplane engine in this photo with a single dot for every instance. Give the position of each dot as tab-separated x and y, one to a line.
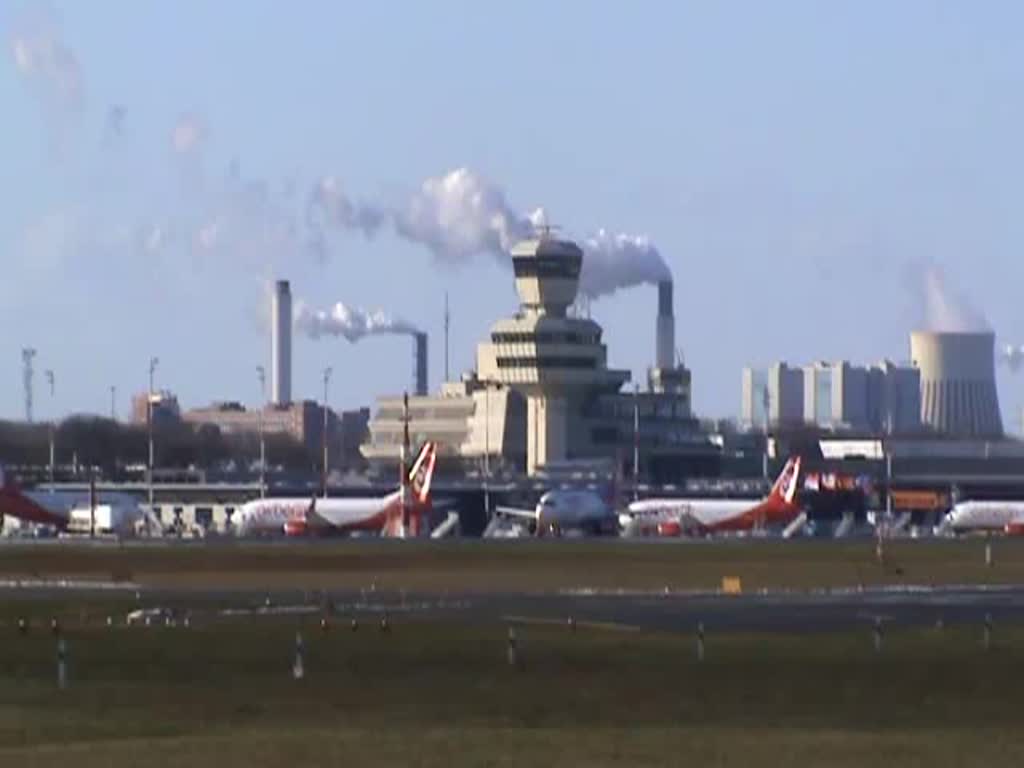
296	528
670	528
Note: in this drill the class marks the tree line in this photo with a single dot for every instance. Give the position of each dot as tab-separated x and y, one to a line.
111	446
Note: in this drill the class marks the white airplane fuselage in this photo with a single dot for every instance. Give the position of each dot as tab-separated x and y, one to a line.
574	510
348	514
970	516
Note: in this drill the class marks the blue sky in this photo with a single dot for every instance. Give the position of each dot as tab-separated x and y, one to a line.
796	163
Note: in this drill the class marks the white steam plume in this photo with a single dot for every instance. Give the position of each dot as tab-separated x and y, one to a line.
45	61
1012	356
614	261
350	322
946	311
188	134
461	215
327	200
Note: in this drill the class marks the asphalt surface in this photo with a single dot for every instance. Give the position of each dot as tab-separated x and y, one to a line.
675	612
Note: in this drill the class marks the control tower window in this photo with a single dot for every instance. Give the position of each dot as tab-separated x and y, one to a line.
546	266
547	362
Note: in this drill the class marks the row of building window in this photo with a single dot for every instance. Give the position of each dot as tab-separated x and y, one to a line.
545	337
547	362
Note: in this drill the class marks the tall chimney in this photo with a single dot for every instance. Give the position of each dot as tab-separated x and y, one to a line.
281	344
421	387
665	338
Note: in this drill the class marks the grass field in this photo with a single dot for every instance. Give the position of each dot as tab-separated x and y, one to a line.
221	694
524	565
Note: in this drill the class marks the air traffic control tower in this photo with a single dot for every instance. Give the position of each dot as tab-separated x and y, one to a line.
554	359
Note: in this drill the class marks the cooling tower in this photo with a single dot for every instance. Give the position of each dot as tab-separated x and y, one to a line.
665	331
281	343
958	383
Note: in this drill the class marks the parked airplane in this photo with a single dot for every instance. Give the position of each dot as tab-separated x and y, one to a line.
979	516
566	509
34	507
383	514
671	517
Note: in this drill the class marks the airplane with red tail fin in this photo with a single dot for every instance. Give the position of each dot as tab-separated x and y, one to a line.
35	507
701	515
380	514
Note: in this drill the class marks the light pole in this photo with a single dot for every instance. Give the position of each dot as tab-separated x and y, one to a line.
53	452
153	362
113	403
327	378
261	373
636	442
487	449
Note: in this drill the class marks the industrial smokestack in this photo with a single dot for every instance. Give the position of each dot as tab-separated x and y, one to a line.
958	382
420	387
281	343
665	338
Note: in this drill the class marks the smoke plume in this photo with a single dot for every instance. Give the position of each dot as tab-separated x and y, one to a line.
946	311
352	323
455	216
188	134
46	62
460	215
614	261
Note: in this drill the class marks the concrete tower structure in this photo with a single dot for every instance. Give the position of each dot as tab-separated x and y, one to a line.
665	331
667	376
420	361
958	383
281	343
552	358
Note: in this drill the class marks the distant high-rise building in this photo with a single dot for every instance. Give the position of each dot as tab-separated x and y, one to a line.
833	395
772	396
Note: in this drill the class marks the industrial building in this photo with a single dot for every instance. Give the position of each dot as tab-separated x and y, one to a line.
303	421
884	397
162	406
947	390
542	392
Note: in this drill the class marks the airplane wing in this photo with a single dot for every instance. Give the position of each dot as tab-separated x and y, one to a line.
527	514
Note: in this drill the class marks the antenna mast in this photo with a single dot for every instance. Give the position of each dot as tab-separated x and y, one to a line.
447	328
27	355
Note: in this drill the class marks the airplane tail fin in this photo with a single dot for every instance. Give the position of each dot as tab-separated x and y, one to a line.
422	472
786	485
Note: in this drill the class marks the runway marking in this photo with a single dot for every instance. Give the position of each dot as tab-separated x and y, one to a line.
608	625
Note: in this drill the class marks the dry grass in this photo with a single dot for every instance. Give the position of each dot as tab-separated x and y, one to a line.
518	565
432	694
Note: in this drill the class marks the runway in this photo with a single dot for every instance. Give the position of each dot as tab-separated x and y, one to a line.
775	611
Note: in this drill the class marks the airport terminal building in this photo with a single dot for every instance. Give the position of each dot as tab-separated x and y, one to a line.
542	393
